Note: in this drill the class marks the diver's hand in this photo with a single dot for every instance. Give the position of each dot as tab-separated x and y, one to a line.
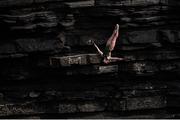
90	42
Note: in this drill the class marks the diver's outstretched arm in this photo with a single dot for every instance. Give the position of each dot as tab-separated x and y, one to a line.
115	59
99	51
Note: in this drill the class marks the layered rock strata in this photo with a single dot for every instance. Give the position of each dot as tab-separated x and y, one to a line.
50	69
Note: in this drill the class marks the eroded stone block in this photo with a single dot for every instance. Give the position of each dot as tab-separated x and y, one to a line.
117	105
67	108
80	59
93	70
14	109
70	60
129	2
91	107
30	22
7	3
37	44
94	58
146	103
108	69
80	4
81	107
147	36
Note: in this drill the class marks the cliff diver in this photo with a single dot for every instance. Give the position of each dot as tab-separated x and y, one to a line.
106	54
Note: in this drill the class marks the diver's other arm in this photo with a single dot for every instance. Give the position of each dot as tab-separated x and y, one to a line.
99	51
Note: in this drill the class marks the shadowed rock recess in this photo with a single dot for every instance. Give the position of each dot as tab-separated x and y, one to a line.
50	69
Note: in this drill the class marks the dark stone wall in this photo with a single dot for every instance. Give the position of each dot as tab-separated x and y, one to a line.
49	68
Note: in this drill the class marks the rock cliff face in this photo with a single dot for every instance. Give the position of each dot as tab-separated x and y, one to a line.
49	68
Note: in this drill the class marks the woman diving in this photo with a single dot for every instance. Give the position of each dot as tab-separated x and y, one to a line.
106	54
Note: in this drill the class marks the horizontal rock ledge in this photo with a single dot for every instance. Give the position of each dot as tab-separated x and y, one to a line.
29	108
71	4
80	59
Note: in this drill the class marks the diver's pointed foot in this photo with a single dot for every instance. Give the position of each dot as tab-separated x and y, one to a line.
117	26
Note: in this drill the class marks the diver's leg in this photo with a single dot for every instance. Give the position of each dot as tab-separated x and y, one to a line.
112	40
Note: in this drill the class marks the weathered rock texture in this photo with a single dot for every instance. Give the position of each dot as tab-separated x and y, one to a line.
49	68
